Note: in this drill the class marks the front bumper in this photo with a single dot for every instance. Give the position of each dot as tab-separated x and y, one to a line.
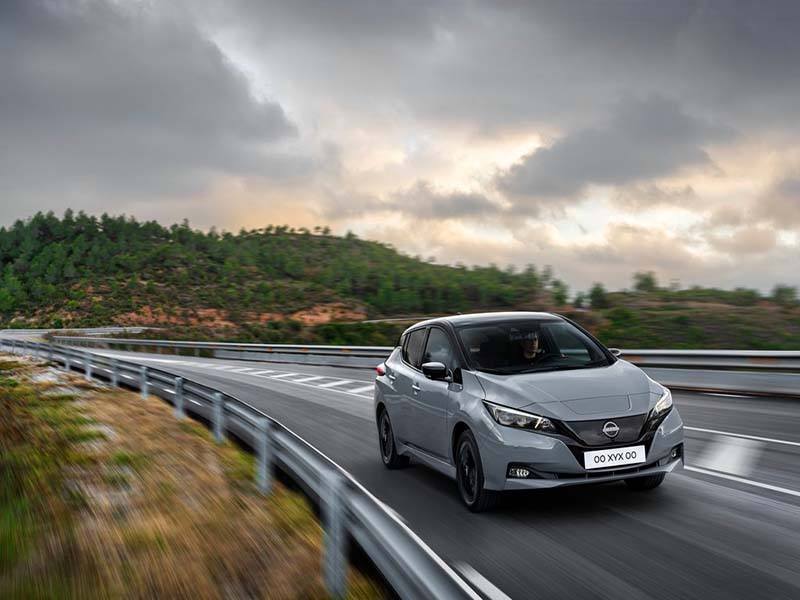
556	463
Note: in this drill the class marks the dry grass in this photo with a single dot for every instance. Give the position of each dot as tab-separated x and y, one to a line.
110	496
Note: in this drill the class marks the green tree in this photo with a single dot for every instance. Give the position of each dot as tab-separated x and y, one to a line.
560	292
645	281
784	295
598	298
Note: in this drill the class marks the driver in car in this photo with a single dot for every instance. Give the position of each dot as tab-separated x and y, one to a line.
531	348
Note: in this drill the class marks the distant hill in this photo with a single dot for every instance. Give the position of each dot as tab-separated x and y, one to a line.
279	284
81	270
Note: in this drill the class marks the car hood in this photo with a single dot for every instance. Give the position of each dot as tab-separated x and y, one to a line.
577	394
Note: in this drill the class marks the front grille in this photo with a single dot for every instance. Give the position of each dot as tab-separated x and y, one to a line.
591	433
607	473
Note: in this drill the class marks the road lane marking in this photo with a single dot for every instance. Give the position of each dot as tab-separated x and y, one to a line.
743	435
731	455
241	370
483	585
280	375
307	379
758	484
335	383
361	390
261	372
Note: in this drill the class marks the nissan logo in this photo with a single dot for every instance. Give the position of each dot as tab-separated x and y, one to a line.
611	429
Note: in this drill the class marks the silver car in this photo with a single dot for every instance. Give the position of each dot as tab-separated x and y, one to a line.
519	401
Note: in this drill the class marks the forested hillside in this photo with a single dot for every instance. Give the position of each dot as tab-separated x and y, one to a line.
82	270
278	284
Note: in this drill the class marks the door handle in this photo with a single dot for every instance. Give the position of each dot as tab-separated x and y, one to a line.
391	376
415	387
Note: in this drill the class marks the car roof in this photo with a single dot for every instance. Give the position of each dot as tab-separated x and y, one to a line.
486	317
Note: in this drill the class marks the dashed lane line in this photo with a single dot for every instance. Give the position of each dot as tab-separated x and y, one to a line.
731	455
312	378
758	484
361	390
743	435
335	383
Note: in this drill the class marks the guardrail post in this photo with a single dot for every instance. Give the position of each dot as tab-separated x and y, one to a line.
264	456
67	365
114	372
335	557
144	385
219	418
50	351
87	363
13	346
179	412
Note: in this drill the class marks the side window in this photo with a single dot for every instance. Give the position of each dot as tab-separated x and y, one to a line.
412	350
438	348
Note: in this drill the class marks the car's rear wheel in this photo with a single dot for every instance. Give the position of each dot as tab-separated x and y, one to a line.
391	459
469	475
645	483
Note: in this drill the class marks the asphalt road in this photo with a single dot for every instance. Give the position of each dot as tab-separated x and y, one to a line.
726	527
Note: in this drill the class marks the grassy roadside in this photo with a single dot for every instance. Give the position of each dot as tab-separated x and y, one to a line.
104	495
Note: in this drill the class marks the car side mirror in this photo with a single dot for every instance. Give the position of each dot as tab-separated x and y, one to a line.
615	351
436	371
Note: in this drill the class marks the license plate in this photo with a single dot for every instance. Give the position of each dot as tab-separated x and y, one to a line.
613	457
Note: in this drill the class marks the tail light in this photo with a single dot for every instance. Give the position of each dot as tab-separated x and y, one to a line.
380	369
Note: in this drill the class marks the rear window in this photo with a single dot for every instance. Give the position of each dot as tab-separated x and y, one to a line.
412	350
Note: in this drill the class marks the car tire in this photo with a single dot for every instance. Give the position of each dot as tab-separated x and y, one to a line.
641	484
469	476
386	443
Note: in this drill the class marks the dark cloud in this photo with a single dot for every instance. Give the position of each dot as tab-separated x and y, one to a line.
102	101
745	240
645	139
423	201
781	204
419	201
647	196
497	65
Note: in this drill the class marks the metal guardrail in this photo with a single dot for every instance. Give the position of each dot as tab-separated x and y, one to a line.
349	511
340	356
84	330
754	372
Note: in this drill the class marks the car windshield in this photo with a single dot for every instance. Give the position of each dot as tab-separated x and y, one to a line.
529	346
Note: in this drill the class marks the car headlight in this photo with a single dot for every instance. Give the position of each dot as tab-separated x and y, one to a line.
663	405
510	417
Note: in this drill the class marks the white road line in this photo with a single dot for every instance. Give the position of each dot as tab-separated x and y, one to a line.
335	383
742	435
366	388
731	455
758	484
224	367
279	375
242	370
261	372
307	379
483	585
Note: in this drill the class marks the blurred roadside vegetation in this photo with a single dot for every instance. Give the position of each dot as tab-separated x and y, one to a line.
103	495
283	285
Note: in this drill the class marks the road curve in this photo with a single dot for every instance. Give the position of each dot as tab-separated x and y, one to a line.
728	527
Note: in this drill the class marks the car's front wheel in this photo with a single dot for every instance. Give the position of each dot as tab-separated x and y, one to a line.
469	475
391	459
645	483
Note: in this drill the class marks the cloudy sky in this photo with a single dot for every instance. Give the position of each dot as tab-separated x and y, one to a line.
600	137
